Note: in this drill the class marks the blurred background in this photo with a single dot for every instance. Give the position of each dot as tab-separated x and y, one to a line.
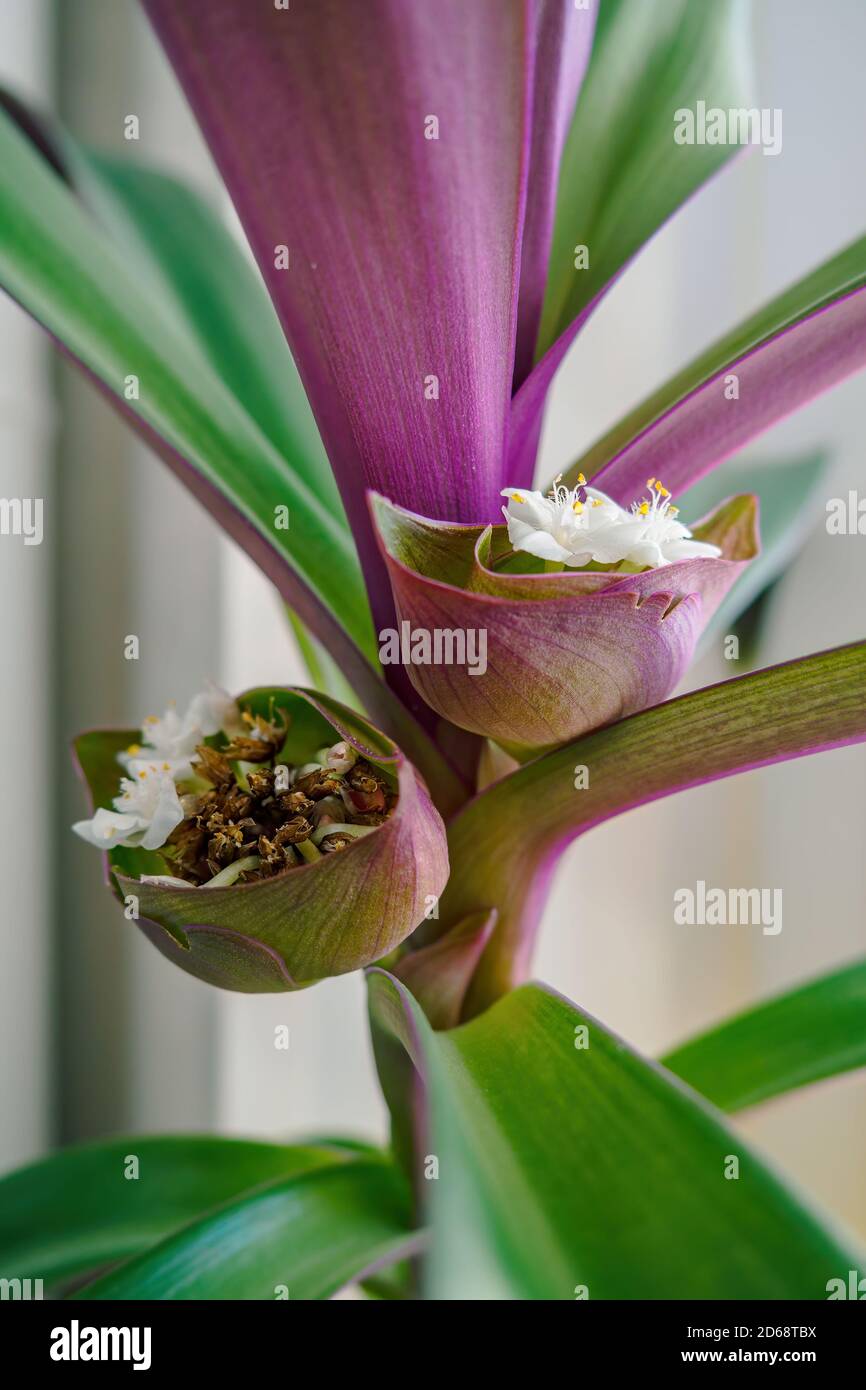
98	1034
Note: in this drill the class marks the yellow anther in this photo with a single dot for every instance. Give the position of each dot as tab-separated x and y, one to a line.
133	749
516	497
643	508
650	482
598	502
577	506
143	773
580	480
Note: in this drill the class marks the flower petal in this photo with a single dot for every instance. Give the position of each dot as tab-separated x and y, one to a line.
321	919
565	652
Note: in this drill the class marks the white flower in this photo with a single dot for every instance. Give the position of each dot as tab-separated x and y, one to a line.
577	526
172	739
106	829
567	527
656	537
211	710
145	812
148	807
341	758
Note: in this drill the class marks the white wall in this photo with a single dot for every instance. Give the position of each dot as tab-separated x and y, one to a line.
26	841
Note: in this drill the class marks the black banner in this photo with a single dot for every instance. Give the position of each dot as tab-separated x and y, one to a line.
66	1338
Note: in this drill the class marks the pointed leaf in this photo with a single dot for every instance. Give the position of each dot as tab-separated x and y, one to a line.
802	1036
502	858
308	1235
170	235
808	339
309	922
568	1160
60	266
76	1210
623	175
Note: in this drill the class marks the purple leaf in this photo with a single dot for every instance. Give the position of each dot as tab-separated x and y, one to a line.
384	146
808	339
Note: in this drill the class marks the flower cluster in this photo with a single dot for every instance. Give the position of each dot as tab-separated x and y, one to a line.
581	526
231	810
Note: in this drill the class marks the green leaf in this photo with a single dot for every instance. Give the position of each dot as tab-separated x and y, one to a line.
77	1210
70	275
164	244
497	851
310	1235
788	493
622	174
812	1032
173	240
567	1160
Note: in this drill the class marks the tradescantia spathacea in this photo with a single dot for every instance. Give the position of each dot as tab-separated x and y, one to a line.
414	178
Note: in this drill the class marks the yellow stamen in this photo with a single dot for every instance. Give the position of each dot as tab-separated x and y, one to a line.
650	482
643	508
516	497
580	480
143	773
597	502
577	506
133	749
